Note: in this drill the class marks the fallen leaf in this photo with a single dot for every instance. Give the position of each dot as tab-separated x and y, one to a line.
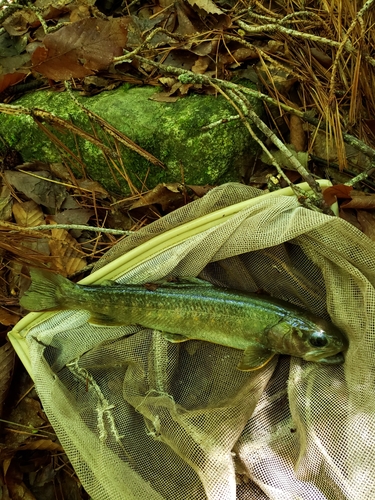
206	5
28	213
364	200
68	259
81	48
200	65
41	444
6	202
165	195
38	189
19	22
367	221
74	216
7	357
297	134
339	191
92	186
351	217
7	318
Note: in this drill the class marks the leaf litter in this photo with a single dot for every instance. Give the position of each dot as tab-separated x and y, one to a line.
298	59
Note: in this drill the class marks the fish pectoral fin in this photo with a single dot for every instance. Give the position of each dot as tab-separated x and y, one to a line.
255	357
101	319
175	337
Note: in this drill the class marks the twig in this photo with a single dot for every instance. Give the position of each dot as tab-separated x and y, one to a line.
81	227
342	45
362	176
299	34
107	127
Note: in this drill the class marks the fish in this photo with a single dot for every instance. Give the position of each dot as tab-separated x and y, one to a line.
261	327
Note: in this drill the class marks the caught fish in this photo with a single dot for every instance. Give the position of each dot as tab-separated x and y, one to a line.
261	327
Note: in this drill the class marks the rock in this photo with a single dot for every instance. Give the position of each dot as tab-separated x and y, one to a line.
169	131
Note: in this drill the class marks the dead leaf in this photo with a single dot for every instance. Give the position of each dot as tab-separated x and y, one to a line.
19	22
81	48
322	57
351	217
200	65
74	216
339	191
7	357
68	259
297	134
92	186
163	97
206	5
10	79
165	195
6	202
366	201
367	221
28	213
7	318
38	189
239	55
41	444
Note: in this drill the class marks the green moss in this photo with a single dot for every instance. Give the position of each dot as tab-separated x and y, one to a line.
170	131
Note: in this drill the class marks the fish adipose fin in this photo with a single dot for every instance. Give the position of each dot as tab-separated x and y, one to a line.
255	357
175	338
46	291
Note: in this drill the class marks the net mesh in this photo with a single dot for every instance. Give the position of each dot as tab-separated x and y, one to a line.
141	417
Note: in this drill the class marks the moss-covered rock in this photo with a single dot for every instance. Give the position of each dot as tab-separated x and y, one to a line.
170	131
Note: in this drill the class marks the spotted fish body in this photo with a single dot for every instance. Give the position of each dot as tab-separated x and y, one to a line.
261	327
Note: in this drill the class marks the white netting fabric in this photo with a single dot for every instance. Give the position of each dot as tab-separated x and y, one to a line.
143	418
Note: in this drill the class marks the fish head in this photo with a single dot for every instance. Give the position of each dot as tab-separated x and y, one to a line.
312	340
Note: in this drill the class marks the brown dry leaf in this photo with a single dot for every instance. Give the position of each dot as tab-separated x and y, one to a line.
297	134
339	191
79	49
239	55
74	216
206	5
28	213
7	318
367	221
6	202
164	195
322	57
200	65
351	217
41	444
363	200
163	97
68	259
7	357
10	79
19	22
37	187
92	186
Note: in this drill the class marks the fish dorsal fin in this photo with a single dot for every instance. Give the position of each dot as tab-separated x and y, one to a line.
255	357
182	282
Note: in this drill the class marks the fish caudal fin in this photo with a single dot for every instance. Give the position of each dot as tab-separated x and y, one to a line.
46	292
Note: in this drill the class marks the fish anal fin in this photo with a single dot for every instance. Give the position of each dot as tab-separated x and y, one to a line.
255	357
100	319
175	338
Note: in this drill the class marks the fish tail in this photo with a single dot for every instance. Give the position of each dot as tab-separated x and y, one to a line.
48	291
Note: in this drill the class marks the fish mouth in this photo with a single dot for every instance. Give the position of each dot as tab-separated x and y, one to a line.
335	359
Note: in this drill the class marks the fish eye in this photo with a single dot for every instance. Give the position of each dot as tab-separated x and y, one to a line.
318	339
